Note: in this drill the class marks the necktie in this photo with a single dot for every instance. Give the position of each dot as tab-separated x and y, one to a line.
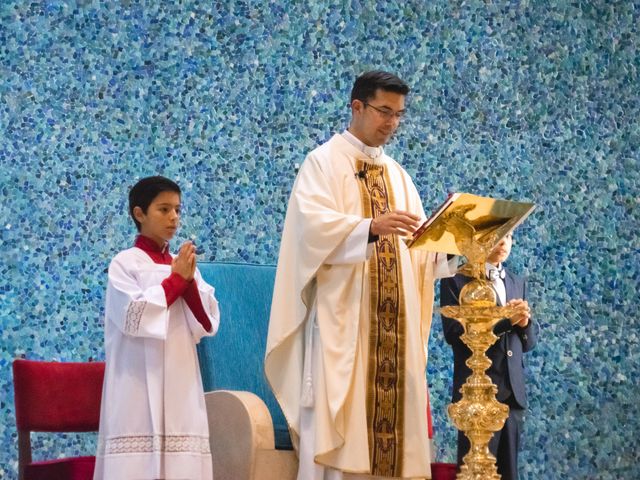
496	276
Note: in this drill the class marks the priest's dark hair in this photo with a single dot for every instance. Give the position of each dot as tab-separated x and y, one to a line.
142	193
366	85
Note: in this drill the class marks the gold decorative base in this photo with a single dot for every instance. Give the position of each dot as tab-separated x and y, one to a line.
478	414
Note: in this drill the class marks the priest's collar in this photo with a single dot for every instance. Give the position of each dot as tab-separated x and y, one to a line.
373	153
148	245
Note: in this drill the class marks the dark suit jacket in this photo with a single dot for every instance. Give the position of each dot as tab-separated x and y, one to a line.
507	369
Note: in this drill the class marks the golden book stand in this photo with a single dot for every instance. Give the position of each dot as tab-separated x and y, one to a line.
472	226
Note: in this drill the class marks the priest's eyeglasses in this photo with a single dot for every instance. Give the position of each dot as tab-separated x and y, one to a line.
387	113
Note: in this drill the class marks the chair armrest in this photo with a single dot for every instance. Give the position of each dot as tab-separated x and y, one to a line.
239	425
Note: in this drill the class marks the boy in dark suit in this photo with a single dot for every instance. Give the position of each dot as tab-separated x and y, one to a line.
516	335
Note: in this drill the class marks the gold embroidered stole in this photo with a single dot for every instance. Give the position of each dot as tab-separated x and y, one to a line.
385	371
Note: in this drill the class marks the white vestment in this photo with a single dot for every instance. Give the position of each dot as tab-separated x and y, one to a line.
153	420
323	273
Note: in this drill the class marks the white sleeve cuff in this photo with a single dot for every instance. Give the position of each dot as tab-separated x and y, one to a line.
444	268
353	249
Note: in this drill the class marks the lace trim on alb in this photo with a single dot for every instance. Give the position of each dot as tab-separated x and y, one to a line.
134	314
154	443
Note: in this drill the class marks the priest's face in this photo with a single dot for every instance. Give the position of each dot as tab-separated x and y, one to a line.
376	120
160	221
501	251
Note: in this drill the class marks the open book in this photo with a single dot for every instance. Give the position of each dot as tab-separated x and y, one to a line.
486	219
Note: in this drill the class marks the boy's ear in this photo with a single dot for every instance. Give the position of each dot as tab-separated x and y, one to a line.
138	214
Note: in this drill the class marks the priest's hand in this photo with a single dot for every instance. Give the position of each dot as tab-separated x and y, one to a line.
397	222
523	313
184	264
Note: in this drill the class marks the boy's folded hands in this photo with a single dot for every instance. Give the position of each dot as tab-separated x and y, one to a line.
184	263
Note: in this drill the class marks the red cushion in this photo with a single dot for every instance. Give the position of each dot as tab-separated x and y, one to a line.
443	471
429	419
57	396
76	468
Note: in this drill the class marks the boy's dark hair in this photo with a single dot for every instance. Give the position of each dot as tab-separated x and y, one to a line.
142	193
366	85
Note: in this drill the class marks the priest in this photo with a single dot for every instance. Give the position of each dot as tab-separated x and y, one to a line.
351	313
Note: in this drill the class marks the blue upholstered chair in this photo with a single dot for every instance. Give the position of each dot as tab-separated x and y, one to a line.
249	435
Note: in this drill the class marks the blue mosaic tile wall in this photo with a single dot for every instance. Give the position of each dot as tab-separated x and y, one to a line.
523	100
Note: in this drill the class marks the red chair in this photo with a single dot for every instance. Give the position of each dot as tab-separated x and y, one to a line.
56	397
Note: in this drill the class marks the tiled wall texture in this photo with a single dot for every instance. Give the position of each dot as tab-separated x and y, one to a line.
525	100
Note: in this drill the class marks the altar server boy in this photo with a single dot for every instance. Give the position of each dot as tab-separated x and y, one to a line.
153	421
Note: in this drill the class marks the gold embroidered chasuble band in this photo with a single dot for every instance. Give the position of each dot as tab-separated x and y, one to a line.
385	372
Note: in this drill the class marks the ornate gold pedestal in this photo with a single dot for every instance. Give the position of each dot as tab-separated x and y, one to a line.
478	414
472	226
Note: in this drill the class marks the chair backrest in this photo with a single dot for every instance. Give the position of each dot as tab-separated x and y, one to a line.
234	358
57	396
